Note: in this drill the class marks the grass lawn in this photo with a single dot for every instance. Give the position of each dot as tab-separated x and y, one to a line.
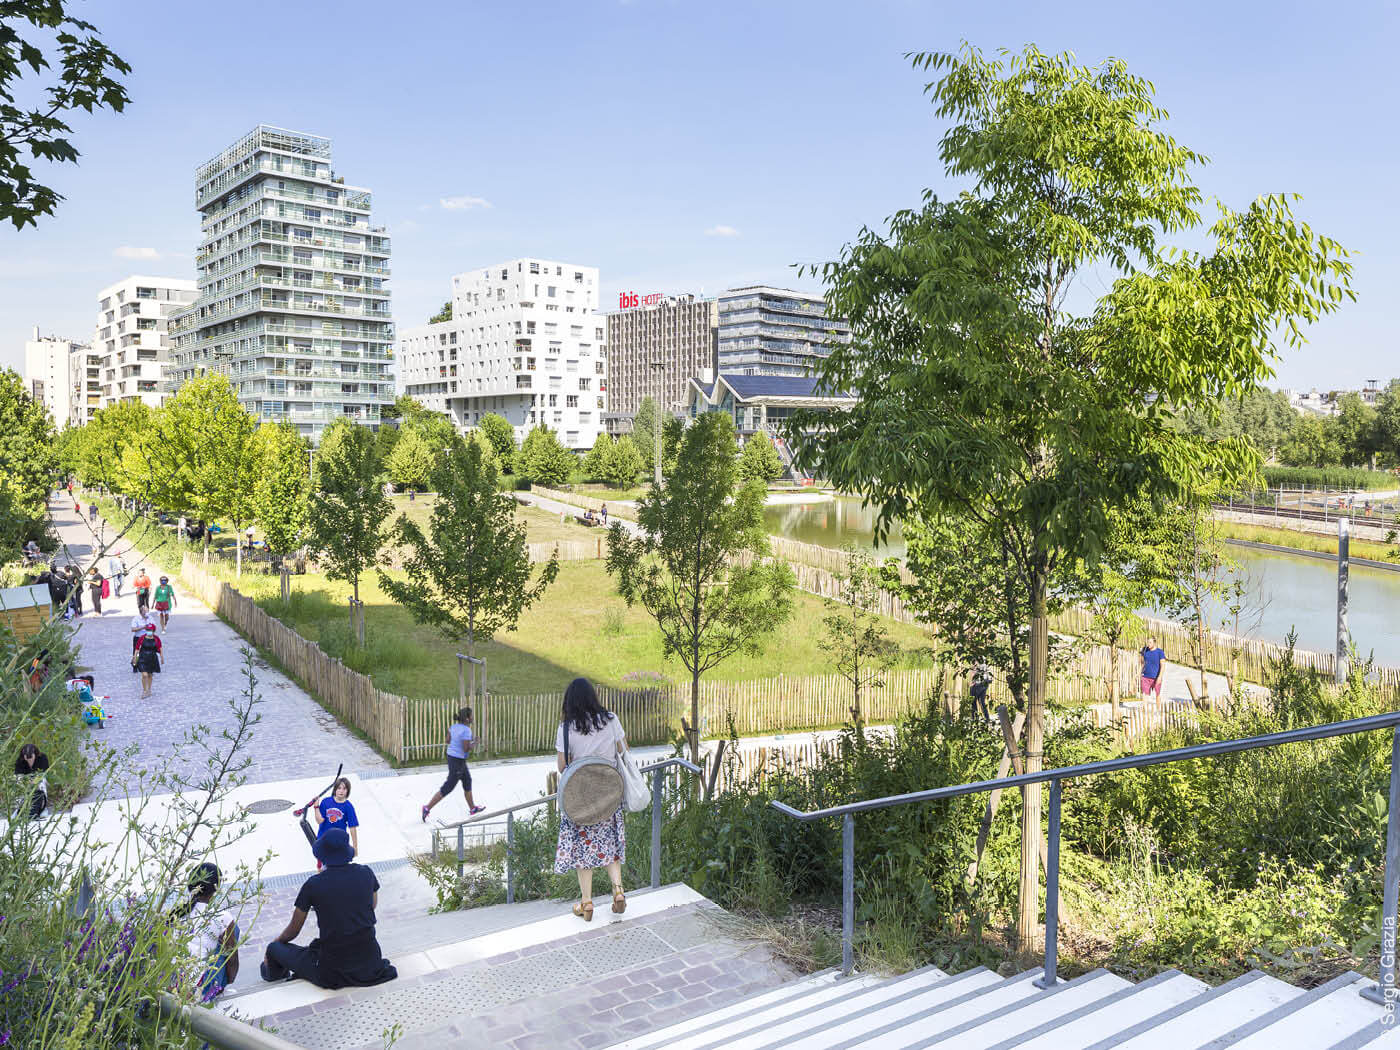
540	526
580	627
605	492
1306	541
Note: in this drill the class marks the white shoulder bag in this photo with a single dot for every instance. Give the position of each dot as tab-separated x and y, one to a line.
635	793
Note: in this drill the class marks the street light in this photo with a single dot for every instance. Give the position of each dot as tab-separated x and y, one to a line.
657	366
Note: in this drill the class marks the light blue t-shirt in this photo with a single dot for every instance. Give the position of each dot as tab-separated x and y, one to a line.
459	738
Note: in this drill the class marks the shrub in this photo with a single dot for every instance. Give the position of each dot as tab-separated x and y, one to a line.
1328	478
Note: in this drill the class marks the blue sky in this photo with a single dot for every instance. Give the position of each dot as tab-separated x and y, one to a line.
686	146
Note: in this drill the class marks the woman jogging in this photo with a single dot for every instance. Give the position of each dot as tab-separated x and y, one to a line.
337	812
460	742
148	659
165	601
589	731
214	934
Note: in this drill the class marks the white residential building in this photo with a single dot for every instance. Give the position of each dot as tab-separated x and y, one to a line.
293	300
49	374
525	342
132	338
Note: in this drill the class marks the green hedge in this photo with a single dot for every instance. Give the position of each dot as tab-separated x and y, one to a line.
1329	478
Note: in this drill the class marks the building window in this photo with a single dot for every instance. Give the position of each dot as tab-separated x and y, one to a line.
551	291
571	401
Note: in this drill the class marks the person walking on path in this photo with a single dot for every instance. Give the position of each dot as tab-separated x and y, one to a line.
214	935
343	896
92	512
148	659
139	623
94	582
116	572
460	742
75	589
587	730
143	589
165	601
337	812
1151	659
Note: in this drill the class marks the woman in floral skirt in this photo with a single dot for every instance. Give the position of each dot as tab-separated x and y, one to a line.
592	732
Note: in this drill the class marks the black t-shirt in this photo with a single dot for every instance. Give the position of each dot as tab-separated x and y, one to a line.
23	768
343	898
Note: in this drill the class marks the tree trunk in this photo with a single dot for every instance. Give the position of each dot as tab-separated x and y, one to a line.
1028	921
695	717
1114	690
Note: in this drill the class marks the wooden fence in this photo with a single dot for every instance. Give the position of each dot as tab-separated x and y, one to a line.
351	696
616	509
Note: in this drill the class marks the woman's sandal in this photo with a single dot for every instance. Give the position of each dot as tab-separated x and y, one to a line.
619	904
584	910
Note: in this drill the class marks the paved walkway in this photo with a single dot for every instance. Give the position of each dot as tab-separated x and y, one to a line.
203	673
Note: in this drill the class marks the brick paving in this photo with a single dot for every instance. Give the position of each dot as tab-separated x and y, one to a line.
203	672
588	990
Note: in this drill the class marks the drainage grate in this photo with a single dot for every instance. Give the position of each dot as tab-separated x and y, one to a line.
271	805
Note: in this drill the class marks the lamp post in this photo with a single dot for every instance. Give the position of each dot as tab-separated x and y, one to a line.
657	366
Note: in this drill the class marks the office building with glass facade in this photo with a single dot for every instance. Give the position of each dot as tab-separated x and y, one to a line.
775	331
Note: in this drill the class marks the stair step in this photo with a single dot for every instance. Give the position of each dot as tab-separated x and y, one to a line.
1045	1008
1318	1017
839	999
892	1015
1207	1016
1007	993
792	995
1120	1010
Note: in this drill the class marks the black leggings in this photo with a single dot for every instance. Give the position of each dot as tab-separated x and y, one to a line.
456	771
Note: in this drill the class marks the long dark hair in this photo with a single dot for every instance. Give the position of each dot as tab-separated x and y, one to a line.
581	707
22	767
203	881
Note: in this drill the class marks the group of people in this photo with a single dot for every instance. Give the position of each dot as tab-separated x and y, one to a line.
589	518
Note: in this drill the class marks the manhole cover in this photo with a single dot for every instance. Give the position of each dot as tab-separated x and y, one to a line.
271	805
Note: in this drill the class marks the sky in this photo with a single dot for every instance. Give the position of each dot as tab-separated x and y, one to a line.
687	146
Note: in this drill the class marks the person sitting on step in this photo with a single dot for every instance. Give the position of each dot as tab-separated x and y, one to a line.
344	897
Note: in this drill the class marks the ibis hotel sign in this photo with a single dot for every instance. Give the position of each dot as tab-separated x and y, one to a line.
628	300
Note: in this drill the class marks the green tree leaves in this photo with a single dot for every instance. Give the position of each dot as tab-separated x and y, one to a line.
700	564
348	505
86	79
469	575
411	463
282	487
758	460
28	462
543	459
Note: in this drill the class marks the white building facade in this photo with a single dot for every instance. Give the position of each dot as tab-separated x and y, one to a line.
132	338
525	342
50	376
293	300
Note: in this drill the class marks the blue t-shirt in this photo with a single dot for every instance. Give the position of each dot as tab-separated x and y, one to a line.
1152	663
459	739
336	815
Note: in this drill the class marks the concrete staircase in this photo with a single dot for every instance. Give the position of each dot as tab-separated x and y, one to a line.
978	1010
523	976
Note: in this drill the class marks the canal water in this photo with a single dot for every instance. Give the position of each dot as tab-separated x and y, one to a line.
1286	591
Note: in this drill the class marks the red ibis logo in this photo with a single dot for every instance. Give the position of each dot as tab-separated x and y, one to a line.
630	300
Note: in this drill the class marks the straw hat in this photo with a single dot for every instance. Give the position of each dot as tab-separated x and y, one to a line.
590	790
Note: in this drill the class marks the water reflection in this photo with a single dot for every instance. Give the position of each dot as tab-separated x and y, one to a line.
832	523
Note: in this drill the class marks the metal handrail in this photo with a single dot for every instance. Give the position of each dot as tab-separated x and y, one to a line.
509	813
221	1031
1383	992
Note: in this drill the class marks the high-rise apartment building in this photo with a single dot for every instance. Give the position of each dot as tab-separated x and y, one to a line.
49	375
525	342
775	331
293	305
132	337
85	378
654	348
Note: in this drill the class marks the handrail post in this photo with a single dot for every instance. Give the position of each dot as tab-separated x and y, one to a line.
1052	892
461	848
848	893
1383	991
510	857
657	787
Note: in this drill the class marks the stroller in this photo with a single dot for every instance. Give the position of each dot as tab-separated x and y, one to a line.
93	711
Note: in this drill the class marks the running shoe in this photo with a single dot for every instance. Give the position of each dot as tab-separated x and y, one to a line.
477	809
423	814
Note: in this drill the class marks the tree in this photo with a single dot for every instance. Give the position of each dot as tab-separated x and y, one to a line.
469	576
1388	423
348	507
1312	443
623	463
200	454
502	437
758	460
282	487
28	462
411	463
699	563
1197	563
1357	426
86	79
860	646
445	314
982	390
644	433
595	463
543	459
1263	416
